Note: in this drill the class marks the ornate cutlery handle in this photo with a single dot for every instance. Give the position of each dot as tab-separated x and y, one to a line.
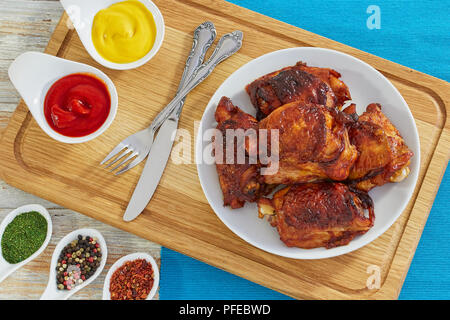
204	36
227	46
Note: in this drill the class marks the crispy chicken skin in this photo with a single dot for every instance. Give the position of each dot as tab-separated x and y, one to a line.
297	83
330	77
313	143
383	155
239	182
318	215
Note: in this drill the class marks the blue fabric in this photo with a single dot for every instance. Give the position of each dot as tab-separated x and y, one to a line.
413	33
185	278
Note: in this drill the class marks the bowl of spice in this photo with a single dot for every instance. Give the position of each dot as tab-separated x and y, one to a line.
25	233
77	261
118	34
132	277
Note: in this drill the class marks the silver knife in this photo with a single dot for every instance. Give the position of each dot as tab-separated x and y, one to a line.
204	37
160	151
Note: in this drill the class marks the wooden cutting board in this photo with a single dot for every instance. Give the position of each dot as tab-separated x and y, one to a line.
179	216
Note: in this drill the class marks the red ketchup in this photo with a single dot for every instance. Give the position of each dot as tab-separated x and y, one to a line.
77	105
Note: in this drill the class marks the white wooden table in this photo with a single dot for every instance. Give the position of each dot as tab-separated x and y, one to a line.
26	25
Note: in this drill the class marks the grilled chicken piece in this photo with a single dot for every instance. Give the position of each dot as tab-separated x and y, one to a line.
383	155
330	77
297	83
318	214
313	143
239	182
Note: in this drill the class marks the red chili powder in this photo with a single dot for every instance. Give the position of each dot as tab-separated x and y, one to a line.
132	281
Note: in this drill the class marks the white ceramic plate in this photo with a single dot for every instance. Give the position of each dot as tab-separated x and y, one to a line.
367	85
121	262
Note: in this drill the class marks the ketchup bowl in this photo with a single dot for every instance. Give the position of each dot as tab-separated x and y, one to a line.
72	102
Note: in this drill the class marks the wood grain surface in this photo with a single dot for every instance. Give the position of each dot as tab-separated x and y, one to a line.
179	216
27	25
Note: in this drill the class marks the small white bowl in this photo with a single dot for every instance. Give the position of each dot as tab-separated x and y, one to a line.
131	257
82	13
52	292
33	73
7	268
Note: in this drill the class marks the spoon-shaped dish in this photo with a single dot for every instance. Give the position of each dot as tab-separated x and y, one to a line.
7	268
33	73
131	257
52	292
82	13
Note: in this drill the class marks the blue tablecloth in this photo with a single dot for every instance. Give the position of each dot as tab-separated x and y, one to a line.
413	33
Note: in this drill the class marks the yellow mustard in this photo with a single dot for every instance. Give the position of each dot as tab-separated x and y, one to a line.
124	32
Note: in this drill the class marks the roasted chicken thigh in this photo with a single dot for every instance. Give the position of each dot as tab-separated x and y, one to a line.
313	143
240	182
297	83
332	78
318	214
383	155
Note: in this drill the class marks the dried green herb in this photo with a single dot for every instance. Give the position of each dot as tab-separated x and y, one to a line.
23	236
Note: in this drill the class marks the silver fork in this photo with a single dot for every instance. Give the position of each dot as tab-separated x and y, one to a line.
138	145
